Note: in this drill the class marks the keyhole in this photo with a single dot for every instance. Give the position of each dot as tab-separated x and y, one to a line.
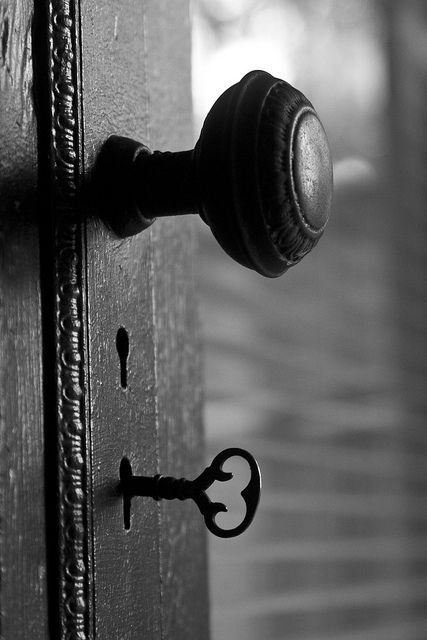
122	345
125	472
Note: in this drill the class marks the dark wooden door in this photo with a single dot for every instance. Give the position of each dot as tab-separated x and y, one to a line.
100	358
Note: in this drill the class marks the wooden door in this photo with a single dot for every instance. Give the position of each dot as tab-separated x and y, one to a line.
100	357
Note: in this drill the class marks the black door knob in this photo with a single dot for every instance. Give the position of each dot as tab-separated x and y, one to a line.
260	176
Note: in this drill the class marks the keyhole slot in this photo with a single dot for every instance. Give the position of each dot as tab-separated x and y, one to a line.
122	346
125	472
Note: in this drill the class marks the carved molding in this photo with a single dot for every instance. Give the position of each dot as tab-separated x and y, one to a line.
66	167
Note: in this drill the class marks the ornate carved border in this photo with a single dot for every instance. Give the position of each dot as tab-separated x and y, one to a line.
68	239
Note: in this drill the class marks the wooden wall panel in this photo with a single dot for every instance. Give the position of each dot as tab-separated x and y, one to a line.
23	592
183	550
123	422
150	580
102	68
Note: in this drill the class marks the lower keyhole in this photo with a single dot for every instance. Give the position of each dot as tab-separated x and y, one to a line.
125	472
122	345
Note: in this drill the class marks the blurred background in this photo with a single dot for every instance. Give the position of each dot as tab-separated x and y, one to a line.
322	373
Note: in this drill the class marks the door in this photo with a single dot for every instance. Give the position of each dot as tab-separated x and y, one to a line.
100	358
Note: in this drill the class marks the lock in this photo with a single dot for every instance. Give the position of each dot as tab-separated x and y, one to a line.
260	176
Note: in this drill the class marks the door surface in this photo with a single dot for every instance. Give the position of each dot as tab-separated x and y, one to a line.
99	345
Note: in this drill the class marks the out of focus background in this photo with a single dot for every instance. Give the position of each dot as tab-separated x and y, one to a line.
322	374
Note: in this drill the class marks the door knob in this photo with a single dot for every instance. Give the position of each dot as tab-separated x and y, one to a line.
168	488
260	176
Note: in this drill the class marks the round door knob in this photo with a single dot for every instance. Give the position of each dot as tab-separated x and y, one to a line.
260	176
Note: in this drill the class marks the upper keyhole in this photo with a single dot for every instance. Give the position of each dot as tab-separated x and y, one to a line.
122	345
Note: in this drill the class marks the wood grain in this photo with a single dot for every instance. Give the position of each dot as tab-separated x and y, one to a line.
150	581
23	599
120	280
178	364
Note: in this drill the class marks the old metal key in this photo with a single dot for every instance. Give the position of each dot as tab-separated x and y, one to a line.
168	488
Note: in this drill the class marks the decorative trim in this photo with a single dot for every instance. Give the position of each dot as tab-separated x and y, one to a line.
73	460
